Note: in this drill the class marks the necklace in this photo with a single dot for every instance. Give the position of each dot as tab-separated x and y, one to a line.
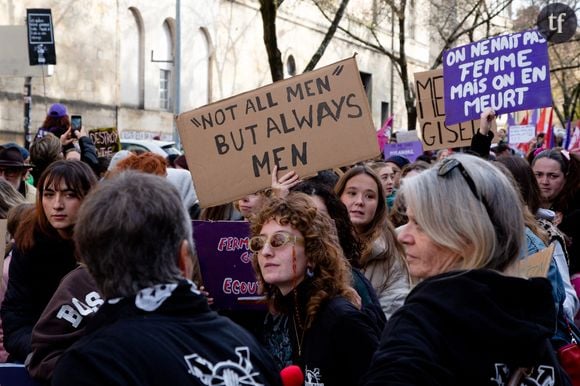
298	323
298	339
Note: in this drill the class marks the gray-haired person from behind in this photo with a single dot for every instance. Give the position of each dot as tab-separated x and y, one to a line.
466	322
155	327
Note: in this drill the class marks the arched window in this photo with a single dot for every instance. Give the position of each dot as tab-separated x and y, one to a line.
291	65
166	66
132	60
200	94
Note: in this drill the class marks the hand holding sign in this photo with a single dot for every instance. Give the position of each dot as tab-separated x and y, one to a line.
487	121
281	186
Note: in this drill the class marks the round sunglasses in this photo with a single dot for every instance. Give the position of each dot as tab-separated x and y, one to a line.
276	240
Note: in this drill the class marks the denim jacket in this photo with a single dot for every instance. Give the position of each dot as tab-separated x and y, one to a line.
534	244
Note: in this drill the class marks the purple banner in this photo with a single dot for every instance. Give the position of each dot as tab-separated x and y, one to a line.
409	150
226	264
507	73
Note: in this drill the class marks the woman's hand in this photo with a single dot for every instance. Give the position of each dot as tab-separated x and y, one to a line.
487	121
80	133
281	186
67	138
206	294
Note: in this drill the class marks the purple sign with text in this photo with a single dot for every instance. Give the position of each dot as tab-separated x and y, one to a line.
226	264
409	150
507	73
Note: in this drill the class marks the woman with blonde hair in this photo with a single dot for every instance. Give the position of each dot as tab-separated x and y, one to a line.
467	321
300	266
382	257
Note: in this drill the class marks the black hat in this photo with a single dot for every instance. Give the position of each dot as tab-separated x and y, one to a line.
398	160
12	158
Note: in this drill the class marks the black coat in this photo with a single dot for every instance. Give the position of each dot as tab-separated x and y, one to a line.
33	278
166	336
469	328
337	348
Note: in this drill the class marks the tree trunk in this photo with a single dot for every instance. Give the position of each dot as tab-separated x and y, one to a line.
268	11
408	93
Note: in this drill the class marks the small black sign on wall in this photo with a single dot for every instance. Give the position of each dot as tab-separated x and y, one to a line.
41	50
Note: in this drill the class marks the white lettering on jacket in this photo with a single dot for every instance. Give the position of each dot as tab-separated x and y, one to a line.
74	312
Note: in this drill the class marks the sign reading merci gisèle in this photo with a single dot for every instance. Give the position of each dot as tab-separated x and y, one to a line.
431	108
314	121
507	73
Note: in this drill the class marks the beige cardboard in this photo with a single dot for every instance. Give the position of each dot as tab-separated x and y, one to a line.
431	114
232	145
535	265
106	140
3	224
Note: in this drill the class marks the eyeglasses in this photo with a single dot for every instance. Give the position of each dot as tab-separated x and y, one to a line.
10	172
447	166
277	240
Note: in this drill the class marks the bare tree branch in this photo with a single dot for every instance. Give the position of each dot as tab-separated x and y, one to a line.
458	31
328	37
565	68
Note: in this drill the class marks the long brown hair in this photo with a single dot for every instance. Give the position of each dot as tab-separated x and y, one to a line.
332	275
379	231
76	175
372	229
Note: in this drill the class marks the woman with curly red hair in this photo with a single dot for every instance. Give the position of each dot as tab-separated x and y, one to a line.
301	267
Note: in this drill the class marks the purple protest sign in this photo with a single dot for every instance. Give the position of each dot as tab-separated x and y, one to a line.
507	73
226	264
410	150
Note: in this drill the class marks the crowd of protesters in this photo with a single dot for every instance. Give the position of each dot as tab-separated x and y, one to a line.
387	272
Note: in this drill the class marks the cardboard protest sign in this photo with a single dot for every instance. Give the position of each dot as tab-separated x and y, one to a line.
521	133
435	134
106	140
307	123
409	150
226	263
507	73
535	265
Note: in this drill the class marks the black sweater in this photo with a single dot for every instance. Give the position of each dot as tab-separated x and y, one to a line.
167	335
469	328
33	278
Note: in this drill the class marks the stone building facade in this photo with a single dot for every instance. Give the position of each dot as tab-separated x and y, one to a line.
116	59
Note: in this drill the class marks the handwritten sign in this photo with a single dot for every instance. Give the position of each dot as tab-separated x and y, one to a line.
536	265
318	120
521	133
507	73
226	263
41	49
106	140
409	150
435	134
